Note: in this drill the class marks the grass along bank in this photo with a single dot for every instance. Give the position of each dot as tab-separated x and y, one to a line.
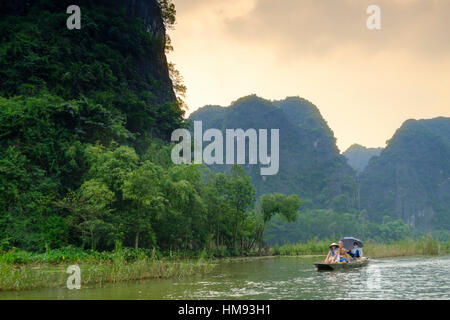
402	248
21	270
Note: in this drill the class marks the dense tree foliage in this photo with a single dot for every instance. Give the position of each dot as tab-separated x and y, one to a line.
115	59
310	164
111	193
278	204
331	225
84	115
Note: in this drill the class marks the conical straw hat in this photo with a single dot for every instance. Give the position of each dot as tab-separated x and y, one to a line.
333	244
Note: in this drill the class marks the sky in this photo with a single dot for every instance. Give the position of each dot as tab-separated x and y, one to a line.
366	83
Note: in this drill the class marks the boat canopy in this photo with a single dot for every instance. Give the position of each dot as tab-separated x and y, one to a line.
348	242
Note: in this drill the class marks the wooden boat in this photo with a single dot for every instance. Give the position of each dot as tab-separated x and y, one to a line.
321	266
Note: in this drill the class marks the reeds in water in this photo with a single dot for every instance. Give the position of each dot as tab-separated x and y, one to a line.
407	247
33	276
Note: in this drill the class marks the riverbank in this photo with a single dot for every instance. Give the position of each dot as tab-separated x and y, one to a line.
402	248
21	270
25	277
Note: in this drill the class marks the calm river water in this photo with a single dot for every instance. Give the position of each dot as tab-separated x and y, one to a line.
281	278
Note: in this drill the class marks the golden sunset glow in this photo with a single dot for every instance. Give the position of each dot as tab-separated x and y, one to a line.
365	83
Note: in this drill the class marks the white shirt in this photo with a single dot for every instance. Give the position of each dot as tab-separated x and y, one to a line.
355	249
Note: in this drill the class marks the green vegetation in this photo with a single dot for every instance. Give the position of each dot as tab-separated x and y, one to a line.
407	247
146	201
63	92
85	117
277	204
21	270
402	191
326	224
310	164
103	62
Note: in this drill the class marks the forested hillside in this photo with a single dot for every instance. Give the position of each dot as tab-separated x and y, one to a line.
406	187
85	121
62	92
310	166
411	177
310	163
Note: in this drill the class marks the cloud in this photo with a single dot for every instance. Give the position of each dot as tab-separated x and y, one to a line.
311	27
365	83
219	9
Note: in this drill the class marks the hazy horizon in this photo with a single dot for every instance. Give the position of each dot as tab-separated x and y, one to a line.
366	83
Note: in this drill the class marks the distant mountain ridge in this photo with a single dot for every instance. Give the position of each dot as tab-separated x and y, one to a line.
310	163
358	156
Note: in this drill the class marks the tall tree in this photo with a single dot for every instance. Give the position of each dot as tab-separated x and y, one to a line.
240	195
90	207
276	203
143	188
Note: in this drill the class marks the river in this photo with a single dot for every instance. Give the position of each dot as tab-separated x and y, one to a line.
280	278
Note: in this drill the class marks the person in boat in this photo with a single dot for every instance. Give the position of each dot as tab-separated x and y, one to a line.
332	254
342	255
356	252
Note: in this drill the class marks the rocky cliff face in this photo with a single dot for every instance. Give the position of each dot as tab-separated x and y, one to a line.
150	12
147	10
117	58
411	177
